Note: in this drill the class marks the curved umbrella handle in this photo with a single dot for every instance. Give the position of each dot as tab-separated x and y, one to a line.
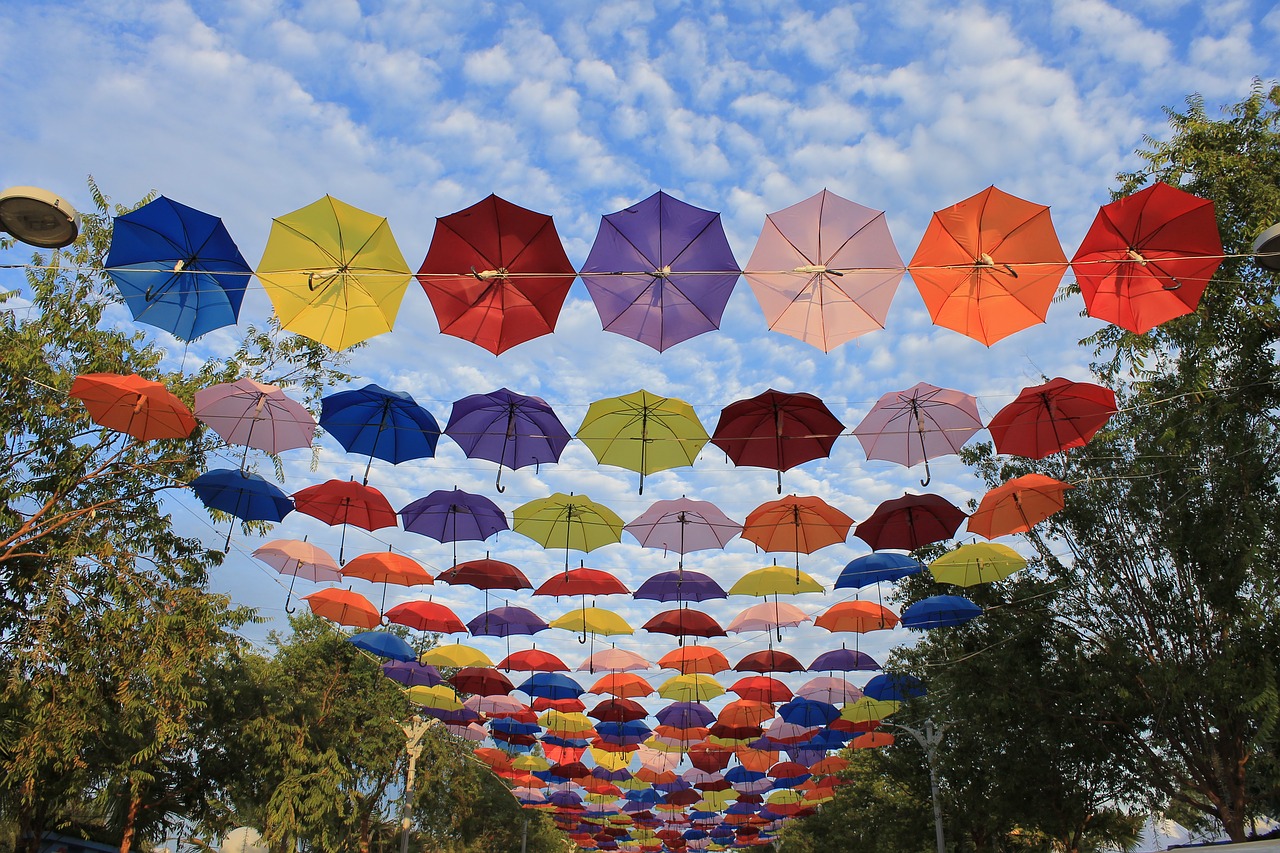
928	477
497	484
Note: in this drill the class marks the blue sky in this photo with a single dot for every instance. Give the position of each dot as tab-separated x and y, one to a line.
251	109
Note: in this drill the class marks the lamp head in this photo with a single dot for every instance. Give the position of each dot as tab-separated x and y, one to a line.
38	217
1266	249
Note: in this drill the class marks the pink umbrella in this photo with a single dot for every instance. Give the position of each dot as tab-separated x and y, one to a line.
296	557
920	423
615	660
255	415
683	525
825	270
767	617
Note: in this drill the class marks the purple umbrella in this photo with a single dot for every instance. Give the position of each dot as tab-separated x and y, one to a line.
506	621
844	660
511	429
412	673
680	585
685	715
450	516
683	525
660	271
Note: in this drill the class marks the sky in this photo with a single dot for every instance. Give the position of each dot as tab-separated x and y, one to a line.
251	109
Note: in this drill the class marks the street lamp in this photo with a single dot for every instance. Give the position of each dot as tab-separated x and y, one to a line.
1266	249
929	739
38	217
414	730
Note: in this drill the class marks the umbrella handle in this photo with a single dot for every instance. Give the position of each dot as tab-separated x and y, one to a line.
497	484
928	477
779	481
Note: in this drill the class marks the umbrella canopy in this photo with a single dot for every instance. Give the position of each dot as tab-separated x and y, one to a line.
825	270
485	574
344	607
939	611
858	617
298	558
799	524
453	516
894	687
454	655
1018	505
694	658
135	406
624	685
660	271
767	617
1045	419
614	660
383	644
572	522
426	616
255	415
511	429
989	266
551	685
619	709
506	622
346	502
582	581
684	623
411	673
761	688
593	620
334	273
177	268
481	681
496	274
980	562
642	432
769	660
775	580
1147	257
873	568
776	430
378	423
843	660
827	688
683	525
911	521
680	585
918	424
387	567
246	496
690	688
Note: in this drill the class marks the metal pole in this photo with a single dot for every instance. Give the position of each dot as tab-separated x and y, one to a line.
414	730
929	740
524	837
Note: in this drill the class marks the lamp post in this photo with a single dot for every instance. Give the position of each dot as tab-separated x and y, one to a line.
414	730
1266	249
38	217
929	738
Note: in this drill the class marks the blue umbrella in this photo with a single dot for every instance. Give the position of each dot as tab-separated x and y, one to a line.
940	611
880	566
808	712
551	685
891	687
373	421
383	644
246	496
177	268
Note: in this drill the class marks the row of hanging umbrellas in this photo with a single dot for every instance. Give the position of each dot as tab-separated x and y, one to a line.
661	271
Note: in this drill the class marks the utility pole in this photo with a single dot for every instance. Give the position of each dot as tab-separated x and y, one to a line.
929	739
414	730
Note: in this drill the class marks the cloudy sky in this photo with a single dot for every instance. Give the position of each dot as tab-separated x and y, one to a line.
251	109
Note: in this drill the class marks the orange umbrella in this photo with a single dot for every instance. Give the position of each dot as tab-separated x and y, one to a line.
1018	505
344	607
858	617
745	712
800	524
624	685
386	567
689	659
989	266
133	405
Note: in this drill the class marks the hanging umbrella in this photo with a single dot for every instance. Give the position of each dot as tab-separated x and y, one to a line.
1048	418
618	710
453	516
684	623
506	622
135	406
480	681
485	575
910	521
426	616
873	568
989	266
572	522
775	580
858	617
375	422
683	525
680	585
296	557
593	620
799	524
344	607
894	687
660	271
769	660
551	685
246	496
826	688
918	424
843	660
582	581
384	645
454	655
1018	505
980	562
496	274
690	688
1148	257
825	270
776	430
761	688
624	685
614	660
511	429
411	673
255	415
386	568
768	617
689	659
177	268
346	502
642	432
939	611
334	273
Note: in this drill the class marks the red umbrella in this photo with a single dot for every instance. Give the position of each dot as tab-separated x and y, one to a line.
582	581
776	430
910	521
485	574
624	685
769	660
1048	418
496	274
618	711
426	616
532	660
1148	257
346	502
133	405
684	623
688	659
761	688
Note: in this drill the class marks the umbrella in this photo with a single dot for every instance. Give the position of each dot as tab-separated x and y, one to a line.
454	655
761	688
843	660
693	687
769	660
511	429
435	698
505	622
454	515
684	623
894	687
582	581
593	620
680	585
334	273
858	617
383	644
687	659
642	432
533	660
799	524
776	430
135	406
1048	418
873	568
1147	257
296	557
989	266
386	568
480	681
485	575
825	270
918	424
346	502
775	580
177	268
624	685
572	522
255	415
411	673
246	496
496	274
683	525
976	563
551	685
910	521
660	271
768	617
826	688
344	607
1018	505
375	422
426	616
619	709
614	660
939	611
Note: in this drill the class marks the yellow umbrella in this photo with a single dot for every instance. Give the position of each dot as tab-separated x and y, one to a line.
454	654
572	522
980	562
690	688
334	273
643	432
868	710
440	697
775	580
530	762
611	760
566	724
716	801
593	620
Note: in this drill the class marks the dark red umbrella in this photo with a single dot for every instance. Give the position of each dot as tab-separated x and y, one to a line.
346	502
481	681
776	430
496	274
618	711
684	623
769	660
1048	418
485	574
908	522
